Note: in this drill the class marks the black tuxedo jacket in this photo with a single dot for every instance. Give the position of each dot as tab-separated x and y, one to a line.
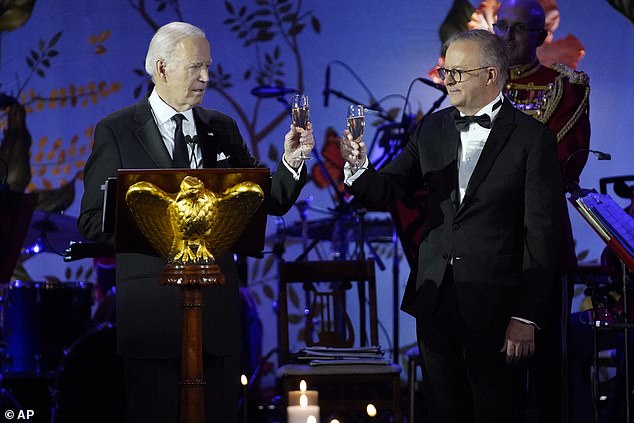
503	238
148	315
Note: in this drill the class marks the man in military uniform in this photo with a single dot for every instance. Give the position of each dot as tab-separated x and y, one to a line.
558	97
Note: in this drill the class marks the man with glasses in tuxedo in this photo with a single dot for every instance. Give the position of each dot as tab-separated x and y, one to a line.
480	287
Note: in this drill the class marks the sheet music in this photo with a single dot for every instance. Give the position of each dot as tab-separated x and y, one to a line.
610	220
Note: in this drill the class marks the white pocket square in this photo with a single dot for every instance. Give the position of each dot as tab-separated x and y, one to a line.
222	156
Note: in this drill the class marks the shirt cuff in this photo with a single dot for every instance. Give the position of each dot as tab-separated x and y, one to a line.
351	174
525	321
295	172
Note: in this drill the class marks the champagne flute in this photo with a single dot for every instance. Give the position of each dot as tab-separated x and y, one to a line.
300	113
356	124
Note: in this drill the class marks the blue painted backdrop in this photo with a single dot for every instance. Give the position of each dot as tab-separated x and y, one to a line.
73	62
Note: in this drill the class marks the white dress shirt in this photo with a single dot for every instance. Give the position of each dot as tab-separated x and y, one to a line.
163	114
472	142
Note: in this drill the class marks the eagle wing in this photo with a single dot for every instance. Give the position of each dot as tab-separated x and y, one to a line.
148	204
235	207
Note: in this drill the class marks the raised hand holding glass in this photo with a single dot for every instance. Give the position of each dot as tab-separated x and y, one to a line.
356	124
300	113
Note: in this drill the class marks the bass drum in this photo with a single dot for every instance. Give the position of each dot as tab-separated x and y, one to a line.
40	319
89	384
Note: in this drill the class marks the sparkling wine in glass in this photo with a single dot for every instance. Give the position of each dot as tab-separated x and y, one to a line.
300	113
356	123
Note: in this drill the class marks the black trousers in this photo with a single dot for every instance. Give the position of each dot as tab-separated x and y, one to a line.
153	395
547	374
465	376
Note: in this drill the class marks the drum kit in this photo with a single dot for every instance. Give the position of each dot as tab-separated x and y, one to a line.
345	227
48	335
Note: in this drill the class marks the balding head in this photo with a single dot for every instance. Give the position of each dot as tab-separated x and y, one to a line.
521	24
532	10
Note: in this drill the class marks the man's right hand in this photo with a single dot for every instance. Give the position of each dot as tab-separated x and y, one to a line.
353	151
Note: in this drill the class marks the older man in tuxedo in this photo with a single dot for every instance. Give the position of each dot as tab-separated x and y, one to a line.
151	135
483	277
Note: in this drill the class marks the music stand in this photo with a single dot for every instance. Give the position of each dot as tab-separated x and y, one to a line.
190	277
609	221
616	229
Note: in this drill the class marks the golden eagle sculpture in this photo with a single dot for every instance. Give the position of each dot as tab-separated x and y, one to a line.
194	225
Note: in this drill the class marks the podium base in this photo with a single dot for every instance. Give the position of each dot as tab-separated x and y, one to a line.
176	274
191	278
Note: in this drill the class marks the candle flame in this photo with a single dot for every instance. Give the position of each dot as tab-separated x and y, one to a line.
371	410
302	386
303	401
243	380
311	419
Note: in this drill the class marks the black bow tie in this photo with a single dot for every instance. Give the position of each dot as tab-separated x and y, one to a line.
463	122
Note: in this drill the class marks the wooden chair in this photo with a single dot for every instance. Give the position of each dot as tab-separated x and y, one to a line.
344	389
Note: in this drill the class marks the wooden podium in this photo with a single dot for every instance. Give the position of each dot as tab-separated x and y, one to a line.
191	278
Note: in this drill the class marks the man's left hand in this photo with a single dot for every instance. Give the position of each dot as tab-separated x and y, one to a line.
519	342
296	142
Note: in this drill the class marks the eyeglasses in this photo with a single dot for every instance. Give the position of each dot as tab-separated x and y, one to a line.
518	28
456	74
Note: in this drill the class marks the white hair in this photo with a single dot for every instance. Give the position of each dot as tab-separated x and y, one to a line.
165	41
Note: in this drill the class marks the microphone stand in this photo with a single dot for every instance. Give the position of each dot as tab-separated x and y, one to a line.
380	112
361	211
404	126
626	338
341	210
320	162
573	186
436	104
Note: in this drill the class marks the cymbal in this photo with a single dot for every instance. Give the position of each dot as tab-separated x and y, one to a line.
374	229
50	232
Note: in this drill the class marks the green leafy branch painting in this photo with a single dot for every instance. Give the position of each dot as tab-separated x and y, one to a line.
274	22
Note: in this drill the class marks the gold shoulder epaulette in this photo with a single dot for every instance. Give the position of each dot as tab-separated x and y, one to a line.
574	76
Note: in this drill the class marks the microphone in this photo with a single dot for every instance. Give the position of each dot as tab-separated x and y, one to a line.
326	91
192	142
432	84
270	91
601	155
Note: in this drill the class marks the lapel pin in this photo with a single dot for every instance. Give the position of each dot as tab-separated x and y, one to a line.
211	134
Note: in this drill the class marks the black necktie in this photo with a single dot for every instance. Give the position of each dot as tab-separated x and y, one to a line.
463	122
180	156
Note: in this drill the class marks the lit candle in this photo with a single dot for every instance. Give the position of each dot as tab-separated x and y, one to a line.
370	409
245	384
302	412
293	396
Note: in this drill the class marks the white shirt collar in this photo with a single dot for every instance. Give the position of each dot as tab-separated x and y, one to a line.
488	109
163	112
